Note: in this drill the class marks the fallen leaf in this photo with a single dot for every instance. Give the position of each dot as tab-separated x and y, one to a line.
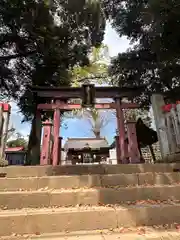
141	231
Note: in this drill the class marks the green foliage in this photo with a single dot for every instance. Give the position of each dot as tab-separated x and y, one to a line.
18	142
153	27
10	132
96	70
135	114
41	40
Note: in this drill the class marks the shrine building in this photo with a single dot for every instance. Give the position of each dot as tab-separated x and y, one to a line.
86	150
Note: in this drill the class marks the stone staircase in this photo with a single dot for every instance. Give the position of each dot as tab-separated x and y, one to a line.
91	202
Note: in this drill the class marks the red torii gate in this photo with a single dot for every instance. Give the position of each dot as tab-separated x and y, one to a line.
60	97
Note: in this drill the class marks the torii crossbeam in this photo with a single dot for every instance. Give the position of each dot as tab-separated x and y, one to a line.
57	100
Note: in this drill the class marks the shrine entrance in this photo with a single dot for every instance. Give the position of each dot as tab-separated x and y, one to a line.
57	101
87	157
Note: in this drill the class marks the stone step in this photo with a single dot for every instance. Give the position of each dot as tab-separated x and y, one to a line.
88	181
90	197
33	221
39	171
114	234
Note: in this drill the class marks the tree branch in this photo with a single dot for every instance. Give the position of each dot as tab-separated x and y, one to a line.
18	55
93	77
9	38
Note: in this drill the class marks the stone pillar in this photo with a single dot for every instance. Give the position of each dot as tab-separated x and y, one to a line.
121	129
178	122
133	150
45	151
56	127
170	132
176	127
157	101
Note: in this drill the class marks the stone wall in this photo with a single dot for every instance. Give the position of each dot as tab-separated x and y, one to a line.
147	154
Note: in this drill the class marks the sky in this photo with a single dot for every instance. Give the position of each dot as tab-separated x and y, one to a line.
75	127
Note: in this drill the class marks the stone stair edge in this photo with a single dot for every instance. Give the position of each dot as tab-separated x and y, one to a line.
95	169
79	209
90	197
91	165
90	175
168	234
86	177
92	189
77	219
88	181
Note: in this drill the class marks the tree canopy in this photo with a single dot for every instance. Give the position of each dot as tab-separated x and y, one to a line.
97	73
153	59
41	40
97	69
18	142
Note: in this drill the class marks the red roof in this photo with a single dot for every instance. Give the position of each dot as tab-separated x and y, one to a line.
6	107
14	149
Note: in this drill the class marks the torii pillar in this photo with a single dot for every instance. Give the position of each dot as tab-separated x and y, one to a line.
121	131
56	127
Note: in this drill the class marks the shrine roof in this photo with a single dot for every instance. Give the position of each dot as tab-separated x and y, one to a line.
14	149
113	145
81	143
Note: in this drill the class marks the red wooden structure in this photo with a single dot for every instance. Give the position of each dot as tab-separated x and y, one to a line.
57	98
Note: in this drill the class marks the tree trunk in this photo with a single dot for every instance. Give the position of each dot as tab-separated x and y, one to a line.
97	134
33	153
